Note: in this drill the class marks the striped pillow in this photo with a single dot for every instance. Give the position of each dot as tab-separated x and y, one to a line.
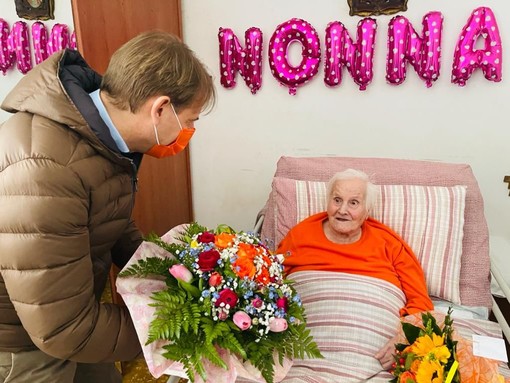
429	218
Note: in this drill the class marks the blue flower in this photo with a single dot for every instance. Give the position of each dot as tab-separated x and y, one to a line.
248	294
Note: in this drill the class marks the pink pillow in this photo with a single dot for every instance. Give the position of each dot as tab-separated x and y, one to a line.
429	218
475	261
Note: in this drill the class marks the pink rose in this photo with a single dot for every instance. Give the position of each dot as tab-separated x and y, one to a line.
181	273
208	260
228	297
242	320
215	279
281	303
257	303
206	237
278	325
222	315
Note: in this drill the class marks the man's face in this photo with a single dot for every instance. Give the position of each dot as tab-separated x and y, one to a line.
170	126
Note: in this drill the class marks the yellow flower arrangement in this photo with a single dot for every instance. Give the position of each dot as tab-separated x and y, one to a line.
430	354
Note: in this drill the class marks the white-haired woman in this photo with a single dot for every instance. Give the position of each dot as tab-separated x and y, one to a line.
345	239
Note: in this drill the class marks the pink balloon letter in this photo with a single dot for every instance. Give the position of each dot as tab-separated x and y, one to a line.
73	44
59	38
482	23
357	57
39	41
234	58
424	53
18	43
6	55
294	30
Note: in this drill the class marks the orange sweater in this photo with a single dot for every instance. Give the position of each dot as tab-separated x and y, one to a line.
379	253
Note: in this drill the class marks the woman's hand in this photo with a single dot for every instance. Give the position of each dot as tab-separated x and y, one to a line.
385	354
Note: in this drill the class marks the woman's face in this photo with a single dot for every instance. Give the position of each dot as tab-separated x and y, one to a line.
347	208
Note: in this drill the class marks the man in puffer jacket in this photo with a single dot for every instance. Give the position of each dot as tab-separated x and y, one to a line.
68	162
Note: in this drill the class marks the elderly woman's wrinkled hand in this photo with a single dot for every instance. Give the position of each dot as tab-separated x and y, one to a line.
385	354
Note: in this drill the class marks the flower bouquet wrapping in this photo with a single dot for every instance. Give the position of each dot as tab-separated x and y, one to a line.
223	295
429	356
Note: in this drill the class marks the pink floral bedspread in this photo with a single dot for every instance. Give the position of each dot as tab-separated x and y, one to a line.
136	294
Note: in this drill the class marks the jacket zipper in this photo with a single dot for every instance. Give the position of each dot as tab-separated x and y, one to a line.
134	182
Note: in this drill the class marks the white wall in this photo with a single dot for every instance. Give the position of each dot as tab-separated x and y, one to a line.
236	147
63	15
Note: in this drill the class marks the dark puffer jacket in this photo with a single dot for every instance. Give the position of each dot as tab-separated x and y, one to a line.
66	196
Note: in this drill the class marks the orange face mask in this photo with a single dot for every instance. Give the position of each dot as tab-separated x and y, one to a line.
182	140
177	146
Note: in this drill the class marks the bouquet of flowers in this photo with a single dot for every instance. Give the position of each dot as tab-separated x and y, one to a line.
224	291
429	356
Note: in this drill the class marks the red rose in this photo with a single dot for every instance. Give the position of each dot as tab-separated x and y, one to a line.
206	237
281	303
228	297
207	260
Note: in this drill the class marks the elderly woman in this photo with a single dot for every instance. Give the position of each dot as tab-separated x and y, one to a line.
344	238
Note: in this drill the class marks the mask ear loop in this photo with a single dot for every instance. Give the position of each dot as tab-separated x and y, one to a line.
156	133
175	114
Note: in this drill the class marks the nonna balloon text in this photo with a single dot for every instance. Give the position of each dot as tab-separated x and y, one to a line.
15	44
406	46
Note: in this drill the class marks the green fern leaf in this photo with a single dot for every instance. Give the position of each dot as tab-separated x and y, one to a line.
230	342
149	266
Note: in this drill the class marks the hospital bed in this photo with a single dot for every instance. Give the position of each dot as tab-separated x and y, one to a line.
438	209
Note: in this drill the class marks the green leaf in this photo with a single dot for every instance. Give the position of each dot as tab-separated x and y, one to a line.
222	228
411	332
149	266
174	316
230	342
212	354
409	360
192	229
192	290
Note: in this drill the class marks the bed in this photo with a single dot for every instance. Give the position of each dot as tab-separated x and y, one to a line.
438	209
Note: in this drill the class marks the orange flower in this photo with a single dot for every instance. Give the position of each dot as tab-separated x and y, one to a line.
223	240
407	377
266	259
263	277
415	365
245	250
244	267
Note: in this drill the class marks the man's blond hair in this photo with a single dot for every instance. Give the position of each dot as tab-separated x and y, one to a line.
157	63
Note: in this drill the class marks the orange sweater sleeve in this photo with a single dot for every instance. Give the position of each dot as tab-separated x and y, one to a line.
380	253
